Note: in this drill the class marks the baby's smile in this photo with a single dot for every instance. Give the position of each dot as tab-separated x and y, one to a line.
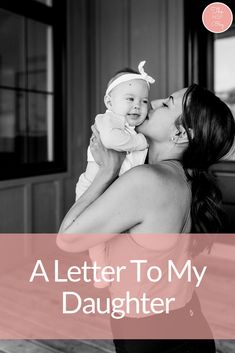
134	115
134	119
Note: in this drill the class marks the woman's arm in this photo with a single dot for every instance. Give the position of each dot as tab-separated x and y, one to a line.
140	196
109	165
101	182
115	211
97	211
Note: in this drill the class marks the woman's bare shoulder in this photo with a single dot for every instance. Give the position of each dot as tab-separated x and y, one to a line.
145	170
141	175
157	184
147	174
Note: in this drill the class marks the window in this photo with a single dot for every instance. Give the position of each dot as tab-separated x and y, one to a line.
46	2
31	96
210	59
224	71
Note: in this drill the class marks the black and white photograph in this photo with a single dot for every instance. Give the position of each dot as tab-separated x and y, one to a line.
117	185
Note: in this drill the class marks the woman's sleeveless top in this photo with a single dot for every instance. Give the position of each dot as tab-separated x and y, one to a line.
122	249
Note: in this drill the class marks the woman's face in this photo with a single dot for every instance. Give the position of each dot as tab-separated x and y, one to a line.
160	124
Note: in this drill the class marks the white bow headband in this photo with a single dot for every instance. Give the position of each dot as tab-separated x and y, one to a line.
129	76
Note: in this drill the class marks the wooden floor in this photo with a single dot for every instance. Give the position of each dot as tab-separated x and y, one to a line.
56	346
75	346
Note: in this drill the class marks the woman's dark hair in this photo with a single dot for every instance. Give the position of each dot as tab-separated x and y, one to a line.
210	127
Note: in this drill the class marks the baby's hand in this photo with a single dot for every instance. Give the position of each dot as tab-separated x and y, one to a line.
105	158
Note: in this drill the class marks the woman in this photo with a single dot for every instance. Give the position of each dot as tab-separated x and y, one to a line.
174	193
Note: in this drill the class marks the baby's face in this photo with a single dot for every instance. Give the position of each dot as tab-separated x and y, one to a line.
130	99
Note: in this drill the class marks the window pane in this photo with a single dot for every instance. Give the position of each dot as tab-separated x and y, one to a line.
22	140
46	2
7	121
11	50
12	126
39	56
40	127
28	144
224	71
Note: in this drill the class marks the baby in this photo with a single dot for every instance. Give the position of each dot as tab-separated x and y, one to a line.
126	100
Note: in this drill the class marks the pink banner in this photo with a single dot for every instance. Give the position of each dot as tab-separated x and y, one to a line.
46	293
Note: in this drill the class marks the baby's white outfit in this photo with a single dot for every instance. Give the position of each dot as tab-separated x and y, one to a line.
116	134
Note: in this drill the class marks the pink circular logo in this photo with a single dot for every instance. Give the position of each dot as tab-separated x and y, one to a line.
217	17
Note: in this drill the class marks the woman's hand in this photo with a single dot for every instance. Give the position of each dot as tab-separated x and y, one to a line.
107	159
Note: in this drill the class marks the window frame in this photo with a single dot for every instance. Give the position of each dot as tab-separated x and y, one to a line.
199	55
54	16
